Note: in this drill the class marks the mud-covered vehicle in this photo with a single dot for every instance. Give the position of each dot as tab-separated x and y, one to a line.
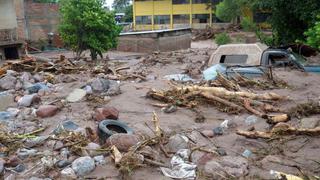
254	59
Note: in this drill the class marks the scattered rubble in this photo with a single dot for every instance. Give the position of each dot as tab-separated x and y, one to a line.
62	118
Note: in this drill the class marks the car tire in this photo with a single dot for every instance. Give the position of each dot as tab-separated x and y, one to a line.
107	128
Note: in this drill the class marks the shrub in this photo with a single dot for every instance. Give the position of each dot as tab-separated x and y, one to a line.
313	35
222	38
248	25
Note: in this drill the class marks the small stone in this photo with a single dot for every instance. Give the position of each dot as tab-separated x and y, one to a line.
251	120
25	153
20	168
88	89
58	145
6	100
221	152
68	173
19	85
247	153
201	158
36	87
47	111
235	166
100	160
31	142
114	89
208	133
63	163
106	113
38	78
76	95
169	109
83	165
64	153
2	162
13	161
10	177
8	82
92	147
122	141
218	131
310	123
11	73
27	100
26	76
66	126
100	85
5	117
177	142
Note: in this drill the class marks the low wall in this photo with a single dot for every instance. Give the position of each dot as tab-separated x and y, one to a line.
160	40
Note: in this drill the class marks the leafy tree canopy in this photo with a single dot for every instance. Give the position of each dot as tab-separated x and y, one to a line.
85	25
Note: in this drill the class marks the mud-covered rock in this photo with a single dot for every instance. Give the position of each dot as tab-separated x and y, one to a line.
68	173
8	82
100	85
106	113
177	142
47	111
122	141
226	166
83	165
28	100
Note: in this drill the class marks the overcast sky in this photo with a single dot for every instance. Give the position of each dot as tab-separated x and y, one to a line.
109	2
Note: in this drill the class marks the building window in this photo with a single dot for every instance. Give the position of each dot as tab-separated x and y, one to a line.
143	20
261	17
180	1
162	19
200	18
200	1
181	19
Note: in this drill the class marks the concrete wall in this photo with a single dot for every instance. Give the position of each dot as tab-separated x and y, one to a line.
148	42
7	15
41	18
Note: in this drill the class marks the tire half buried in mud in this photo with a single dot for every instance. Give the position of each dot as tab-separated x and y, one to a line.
107	128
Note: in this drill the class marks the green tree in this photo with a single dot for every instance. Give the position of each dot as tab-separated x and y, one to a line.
85	25
290	18
228	10
313	35
128	14
120	5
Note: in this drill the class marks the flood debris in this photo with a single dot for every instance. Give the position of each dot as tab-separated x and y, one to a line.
65	118
280	129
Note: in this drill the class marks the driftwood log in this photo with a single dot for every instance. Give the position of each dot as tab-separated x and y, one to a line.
280	129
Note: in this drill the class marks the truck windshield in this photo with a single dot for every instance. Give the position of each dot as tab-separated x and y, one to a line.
298	58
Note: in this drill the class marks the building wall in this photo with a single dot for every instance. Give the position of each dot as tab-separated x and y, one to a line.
7	15
152	8
40	19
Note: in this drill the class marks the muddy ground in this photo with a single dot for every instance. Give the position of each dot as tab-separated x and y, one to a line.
298	154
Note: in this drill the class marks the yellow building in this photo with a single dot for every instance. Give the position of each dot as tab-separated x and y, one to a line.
171	14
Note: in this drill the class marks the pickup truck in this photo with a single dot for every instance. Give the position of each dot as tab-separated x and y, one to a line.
253	59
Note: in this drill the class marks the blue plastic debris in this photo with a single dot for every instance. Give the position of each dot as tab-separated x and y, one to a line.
36	87
212	72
